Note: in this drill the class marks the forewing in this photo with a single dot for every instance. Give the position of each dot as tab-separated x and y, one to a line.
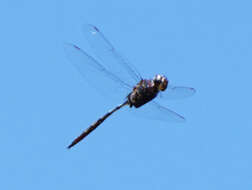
177	92
109	56
93	72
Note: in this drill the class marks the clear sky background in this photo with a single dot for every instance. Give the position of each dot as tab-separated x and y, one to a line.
45	103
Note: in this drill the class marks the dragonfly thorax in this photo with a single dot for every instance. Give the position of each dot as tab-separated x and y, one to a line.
146	90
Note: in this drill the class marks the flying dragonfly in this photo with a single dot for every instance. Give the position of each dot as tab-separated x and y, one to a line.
123	76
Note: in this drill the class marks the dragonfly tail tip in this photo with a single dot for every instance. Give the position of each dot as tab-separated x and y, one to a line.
70	146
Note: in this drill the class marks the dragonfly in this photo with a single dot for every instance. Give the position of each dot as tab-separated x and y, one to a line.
111	66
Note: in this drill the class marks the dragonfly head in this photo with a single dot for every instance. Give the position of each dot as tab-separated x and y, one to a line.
161	82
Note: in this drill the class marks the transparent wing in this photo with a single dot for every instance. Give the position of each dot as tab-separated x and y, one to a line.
177	92
92	71
109	56
153	110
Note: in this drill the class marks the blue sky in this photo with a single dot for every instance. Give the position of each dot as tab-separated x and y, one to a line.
45	103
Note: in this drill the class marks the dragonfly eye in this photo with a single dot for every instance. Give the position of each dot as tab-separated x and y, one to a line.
161	82
164	83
